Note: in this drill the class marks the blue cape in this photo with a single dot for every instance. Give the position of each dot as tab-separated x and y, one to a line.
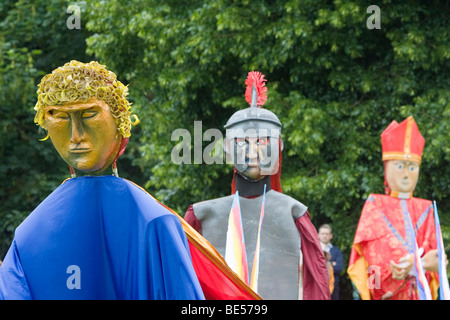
99	238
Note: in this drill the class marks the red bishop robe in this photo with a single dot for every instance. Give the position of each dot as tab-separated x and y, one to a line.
381	236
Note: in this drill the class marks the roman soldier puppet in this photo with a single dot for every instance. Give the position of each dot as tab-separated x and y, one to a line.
263	233
395	229
98	236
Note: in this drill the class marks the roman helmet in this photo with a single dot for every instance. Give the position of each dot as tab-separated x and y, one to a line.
255	122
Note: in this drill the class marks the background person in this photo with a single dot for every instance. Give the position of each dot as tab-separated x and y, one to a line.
336	259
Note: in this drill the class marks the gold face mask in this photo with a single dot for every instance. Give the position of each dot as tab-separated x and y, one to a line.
84	134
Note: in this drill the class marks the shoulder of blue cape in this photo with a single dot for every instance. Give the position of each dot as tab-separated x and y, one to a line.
90	197
100	224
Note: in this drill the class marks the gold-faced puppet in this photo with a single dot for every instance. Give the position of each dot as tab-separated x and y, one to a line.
84	109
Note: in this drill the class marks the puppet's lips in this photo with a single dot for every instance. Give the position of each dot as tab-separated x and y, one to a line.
80	150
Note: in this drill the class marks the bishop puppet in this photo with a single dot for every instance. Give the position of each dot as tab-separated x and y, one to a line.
395	229
98	236
263	233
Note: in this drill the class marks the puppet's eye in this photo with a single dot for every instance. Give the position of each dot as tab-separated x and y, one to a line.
240	142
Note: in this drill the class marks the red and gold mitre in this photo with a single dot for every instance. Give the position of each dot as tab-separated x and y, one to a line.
402	141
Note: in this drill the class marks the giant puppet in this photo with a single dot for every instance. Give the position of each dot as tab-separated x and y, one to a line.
384	261
98	236
262	232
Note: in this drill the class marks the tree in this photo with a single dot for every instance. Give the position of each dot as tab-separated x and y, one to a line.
34	40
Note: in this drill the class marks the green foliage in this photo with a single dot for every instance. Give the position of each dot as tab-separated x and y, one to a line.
34	40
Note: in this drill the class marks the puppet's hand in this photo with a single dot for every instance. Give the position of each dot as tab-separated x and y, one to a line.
401	270
431	261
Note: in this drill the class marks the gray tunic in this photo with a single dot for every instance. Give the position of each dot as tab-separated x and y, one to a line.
280	239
